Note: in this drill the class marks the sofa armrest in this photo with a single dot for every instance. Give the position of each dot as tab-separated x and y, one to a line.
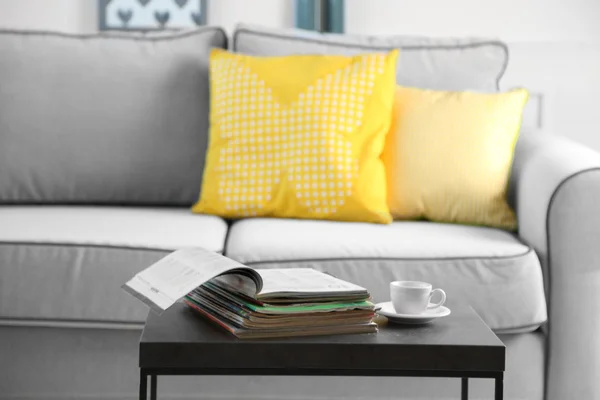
555	190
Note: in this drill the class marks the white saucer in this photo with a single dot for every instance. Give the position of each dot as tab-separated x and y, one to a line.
387	310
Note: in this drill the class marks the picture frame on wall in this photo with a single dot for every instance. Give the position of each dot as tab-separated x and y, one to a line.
151	15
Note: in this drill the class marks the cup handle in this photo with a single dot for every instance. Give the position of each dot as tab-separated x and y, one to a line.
441	302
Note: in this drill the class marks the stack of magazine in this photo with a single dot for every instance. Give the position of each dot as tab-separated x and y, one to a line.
256	303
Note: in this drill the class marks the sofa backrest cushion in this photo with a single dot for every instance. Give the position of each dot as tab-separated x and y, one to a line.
439	64
105	119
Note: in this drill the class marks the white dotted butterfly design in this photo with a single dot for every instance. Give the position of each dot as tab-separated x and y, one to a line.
303	148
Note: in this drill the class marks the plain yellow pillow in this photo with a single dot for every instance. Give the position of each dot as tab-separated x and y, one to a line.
449	154
298	136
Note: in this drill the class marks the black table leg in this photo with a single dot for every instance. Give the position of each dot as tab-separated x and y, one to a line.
143	384
153	382
464	389
499	387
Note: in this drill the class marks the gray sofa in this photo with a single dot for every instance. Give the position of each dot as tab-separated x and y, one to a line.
102	142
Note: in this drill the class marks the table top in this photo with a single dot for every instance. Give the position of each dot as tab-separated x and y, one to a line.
181	338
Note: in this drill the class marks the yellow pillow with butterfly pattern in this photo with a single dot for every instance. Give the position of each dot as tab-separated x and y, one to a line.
298	136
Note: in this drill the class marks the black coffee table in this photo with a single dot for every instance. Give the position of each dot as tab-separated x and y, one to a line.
181	342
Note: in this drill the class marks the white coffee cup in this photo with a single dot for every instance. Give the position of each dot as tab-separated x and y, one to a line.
412	297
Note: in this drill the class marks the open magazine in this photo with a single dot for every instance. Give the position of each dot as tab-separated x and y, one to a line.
162	284
251	304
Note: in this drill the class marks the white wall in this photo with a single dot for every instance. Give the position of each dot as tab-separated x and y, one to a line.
512	20
554	44
80	16
272	13
53	15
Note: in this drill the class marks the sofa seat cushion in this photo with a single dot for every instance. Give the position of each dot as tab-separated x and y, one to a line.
68	263
146	228
489	269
